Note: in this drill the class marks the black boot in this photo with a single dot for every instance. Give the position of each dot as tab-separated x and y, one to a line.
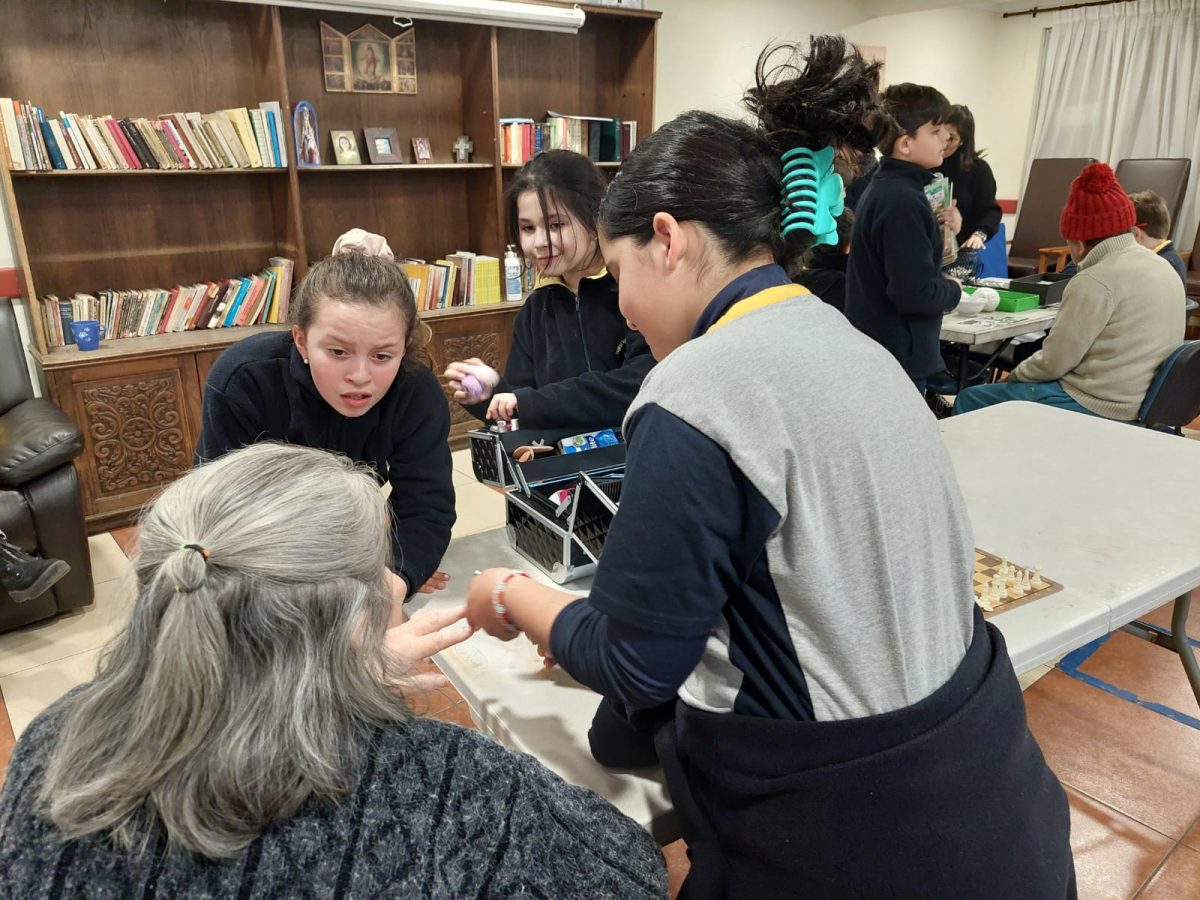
25	576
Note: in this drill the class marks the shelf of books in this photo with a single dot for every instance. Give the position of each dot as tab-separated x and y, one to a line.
110	125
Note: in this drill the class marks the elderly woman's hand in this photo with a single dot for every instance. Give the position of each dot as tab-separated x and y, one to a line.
428	632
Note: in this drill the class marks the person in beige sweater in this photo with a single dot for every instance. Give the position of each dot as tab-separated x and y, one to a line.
1121	316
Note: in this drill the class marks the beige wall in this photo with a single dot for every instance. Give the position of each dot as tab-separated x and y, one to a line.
707	49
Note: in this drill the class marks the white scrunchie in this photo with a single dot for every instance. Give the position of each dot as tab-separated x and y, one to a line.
356	240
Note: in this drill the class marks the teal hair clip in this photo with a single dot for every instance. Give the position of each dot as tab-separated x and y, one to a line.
812	194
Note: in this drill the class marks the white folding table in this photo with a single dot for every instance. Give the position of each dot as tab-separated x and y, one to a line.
1108	510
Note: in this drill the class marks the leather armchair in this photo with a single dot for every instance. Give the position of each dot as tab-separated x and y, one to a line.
41	508
1045	196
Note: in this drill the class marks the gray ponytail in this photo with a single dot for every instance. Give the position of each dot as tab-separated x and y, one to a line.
245	680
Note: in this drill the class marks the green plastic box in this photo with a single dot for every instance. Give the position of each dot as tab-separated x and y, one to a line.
1011	301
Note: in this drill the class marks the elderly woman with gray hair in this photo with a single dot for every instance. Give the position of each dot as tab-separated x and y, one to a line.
246	734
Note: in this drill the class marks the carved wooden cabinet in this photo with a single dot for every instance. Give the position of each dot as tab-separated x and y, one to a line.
140	420
141	416
485	333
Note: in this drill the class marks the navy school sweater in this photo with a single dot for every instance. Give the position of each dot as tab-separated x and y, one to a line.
804	588
261	390
573	360
895	292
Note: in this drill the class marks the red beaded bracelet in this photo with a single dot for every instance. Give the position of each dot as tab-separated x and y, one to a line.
498	601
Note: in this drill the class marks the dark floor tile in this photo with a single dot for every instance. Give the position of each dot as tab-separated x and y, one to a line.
430	703
1127	757
1178	878
1114	855
125	538
459	714
6	740
678	866
1192	838
1150	672
1162	617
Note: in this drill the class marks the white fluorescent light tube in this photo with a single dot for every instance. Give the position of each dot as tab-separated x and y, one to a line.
501	13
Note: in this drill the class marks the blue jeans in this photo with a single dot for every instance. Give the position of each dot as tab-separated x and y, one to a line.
1049	393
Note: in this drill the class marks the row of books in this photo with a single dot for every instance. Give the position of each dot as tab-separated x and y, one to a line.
600	139
238	138
461	279
251	300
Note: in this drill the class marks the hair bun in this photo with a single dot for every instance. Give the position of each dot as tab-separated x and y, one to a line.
829	96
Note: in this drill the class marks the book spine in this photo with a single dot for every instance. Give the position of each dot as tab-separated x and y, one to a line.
56	157
36	142
119	138
138	145
70	157
273	127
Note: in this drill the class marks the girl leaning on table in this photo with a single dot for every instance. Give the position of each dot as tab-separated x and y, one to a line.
787	588
345	378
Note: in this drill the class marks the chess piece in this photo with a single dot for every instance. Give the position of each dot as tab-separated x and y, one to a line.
1038	581
1026	581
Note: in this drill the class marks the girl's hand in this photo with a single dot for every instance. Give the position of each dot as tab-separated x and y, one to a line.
428	632
436	582
480	612
457	371
502	407
952	217
974	242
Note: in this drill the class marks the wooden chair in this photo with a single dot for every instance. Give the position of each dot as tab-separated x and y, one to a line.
1060	254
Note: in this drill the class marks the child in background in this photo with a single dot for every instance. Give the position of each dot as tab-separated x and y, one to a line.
344	379
895	290
824	271
1121	316
573	363
1153	227
795	581
974	191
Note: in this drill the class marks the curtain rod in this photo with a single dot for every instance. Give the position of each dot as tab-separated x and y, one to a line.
1046	9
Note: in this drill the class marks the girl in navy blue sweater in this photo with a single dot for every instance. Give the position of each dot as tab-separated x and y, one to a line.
344	379
793	579
573	361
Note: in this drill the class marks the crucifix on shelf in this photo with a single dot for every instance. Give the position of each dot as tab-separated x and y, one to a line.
462	149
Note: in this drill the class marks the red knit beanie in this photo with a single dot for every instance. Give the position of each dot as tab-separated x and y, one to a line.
1097	206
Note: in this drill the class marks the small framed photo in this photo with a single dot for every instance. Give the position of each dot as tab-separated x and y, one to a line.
304	129
345	148
383	145
422	152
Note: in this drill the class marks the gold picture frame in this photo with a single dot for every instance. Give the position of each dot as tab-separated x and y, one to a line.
367	61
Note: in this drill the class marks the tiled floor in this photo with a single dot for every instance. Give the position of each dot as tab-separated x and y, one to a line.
1130	773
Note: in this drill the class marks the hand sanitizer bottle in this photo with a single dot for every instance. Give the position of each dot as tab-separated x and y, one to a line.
512	275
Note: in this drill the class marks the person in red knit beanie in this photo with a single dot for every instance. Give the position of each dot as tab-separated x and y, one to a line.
1121	316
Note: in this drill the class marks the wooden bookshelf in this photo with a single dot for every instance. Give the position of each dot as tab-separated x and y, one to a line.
138	399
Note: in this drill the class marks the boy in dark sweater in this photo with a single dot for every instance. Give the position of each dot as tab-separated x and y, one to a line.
895	290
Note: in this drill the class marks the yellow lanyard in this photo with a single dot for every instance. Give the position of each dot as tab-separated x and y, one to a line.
761	300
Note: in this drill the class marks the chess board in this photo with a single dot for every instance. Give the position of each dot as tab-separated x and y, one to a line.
986	567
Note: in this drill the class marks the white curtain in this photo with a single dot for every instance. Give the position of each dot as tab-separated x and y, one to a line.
1123	82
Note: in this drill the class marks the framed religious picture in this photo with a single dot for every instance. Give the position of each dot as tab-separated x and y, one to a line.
368	61
345	148
304	129
422	151
383	146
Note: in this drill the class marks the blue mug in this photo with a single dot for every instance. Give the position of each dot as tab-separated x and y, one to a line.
88	334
